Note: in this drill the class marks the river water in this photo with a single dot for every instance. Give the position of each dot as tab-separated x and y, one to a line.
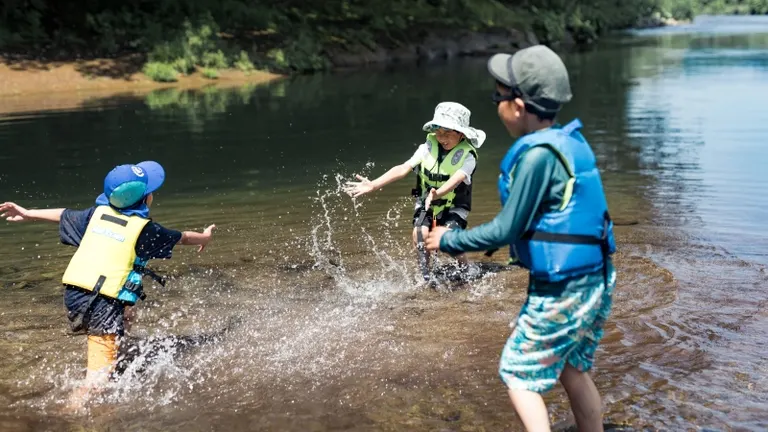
326	326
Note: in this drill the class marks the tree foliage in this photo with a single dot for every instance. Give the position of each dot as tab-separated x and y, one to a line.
298	34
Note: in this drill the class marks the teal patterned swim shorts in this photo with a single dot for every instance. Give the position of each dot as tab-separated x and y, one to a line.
554	330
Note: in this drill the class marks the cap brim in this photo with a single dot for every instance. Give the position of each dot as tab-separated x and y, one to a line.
498	68
155	175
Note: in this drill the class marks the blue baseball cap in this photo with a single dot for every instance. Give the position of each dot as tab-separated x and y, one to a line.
126	185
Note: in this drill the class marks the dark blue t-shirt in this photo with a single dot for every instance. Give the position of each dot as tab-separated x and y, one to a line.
155	241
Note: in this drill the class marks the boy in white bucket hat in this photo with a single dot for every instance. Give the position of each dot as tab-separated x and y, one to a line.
444	165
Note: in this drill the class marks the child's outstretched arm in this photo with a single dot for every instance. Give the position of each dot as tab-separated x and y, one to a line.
195	238
356	189
453	181
13	212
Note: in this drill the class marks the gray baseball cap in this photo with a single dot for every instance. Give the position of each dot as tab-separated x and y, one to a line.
538	72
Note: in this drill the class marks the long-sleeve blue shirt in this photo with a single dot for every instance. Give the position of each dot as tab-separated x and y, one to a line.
538	187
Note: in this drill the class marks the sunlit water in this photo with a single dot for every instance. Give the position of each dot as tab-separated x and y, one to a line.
307	314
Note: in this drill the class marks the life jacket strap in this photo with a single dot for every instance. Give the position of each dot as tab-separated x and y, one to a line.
562	238
439	202
435	177
148	272
77	322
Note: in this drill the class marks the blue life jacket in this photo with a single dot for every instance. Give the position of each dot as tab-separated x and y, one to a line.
576	239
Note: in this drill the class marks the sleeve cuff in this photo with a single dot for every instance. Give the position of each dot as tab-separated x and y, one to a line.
444	242
467	177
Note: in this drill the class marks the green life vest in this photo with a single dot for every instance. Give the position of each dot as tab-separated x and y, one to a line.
435	171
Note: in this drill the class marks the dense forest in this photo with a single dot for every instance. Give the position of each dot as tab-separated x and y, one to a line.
181	36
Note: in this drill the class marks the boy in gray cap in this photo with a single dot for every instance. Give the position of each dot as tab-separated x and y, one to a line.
555	220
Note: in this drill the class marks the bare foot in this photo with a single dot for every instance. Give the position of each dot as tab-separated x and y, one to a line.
77	400
81	395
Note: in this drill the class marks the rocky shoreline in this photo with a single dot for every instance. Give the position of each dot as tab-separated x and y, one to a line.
437	46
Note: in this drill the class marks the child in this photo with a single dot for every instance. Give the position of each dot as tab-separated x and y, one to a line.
555	220
444	165
114	241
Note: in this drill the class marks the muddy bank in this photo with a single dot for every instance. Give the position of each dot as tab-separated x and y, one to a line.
28	85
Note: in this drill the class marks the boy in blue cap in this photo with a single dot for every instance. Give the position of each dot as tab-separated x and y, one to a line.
555	220
114	241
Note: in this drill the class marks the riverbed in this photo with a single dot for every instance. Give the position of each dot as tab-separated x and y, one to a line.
327	327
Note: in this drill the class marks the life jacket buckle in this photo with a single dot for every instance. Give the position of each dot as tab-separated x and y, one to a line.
144	271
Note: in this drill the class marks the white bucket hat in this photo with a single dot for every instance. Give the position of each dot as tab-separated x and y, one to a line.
455	116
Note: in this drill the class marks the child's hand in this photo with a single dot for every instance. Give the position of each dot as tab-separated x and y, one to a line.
206	237
13	212
432	195
356	189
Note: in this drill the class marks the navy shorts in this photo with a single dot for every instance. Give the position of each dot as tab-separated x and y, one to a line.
104	317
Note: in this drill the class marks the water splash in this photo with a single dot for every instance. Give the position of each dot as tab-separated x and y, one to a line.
333	322
388	273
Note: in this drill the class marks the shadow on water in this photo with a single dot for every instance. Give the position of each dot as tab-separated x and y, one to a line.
334	331
137	354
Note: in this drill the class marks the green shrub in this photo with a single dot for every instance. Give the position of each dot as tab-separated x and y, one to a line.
214	59
243	62
304	53
162	72
195	45
210	73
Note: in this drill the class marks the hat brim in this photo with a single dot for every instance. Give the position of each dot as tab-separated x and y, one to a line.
155	175
498	67
476	137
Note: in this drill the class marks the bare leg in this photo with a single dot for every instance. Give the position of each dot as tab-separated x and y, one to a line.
531	410
584	399
102	355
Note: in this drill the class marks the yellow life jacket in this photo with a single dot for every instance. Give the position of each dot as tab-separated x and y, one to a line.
107	252
433	172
